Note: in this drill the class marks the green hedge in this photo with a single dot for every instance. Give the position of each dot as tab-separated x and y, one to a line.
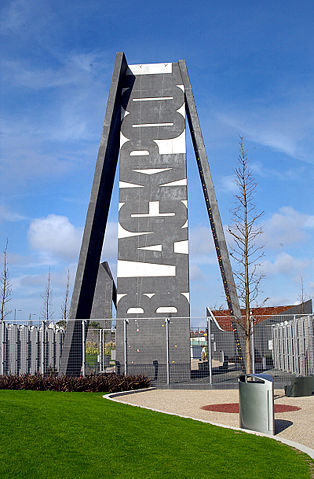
93	383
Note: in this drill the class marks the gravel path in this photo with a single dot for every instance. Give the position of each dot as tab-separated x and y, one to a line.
296	426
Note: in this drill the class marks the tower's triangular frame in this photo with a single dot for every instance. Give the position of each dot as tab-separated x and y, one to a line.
97	215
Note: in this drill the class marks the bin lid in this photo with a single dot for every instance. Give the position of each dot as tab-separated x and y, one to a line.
263	377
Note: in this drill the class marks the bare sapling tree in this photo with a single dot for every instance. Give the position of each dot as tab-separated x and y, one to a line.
5	285
246	250
65	304
46	312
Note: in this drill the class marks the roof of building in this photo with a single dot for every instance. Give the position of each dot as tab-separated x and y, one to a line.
260	314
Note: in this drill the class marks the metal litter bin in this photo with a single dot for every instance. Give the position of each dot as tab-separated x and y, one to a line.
256	398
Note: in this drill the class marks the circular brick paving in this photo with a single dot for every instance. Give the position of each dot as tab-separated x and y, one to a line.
233	407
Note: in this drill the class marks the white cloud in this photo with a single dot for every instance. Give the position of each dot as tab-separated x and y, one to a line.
227	184
285	126
30	283
28	20
13	17
281	174
75	70
64	132
286	227
284	264
25	160
195	273
309	222
8	215
110	247
258	129
24	262
55	237
201	246
35	283
201	241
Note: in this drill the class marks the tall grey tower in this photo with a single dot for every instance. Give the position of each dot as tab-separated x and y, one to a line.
145	122
153	266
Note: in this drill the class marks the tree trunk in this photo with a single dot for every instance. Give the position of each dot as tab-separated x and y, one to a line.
248	354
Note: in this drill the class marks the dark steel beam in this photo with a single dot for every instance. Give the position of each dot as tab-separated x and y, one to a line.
96	220
211	203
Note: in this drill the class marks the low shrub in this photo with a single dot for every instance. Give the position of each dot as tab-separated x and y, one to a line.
93	383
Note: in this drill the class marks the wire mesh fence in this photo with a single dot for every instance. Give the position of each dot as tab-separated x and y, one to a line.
293	345
167	350
29	349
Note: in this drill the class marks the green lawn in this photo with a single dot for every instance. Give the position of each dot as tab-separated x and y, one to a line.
81	435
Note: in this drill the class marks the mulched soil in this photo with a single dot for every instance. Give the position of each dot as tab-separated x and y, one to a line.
234	407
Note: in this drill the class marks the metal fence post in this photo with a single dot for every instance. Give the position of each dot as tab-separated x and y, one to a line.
42	347
252	344
3	347
101	350
167	321
83	348
209	348
125	345
18	349
310	338
296	345
29	350
302	352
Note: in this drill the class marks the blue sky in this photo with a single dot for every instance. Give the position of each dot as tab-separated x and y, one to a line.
251	67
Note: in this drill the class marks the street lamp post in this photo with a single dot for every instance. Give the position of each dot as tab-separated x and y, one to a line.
15	311
30	318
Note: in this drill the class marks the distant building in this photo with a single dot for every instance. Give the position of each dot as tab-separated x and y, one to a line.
222	335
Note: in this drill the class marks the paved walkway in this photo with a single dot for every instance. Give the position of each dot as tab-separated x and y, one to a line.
296	426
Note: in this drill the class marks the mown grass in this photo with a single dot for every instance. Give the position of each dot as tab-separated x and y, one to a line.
81	435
